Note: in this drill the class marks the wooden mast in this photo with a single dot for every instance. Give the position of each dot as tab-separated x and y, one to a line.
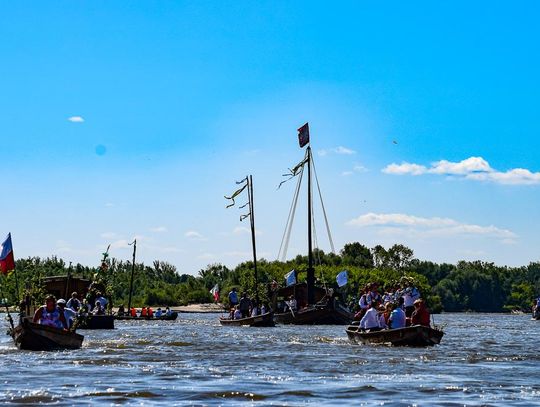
252	223
132	273
310	270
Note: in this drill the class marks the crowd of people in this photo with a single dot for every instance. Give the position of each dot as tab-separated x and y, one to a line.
397	307
62	314
144	312
244	307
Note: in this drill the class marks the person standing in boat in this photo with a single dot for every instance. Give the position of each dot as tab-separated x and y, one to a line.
245	305
233	298
50	315
74	303
410	295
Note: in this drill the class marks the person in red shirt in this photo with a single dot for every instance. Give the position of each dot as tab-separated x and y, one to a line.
421	315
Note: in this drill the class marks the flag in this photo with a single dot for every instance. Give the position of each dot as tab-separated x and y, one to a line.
7	261
303	135
290	277
215	292
342	278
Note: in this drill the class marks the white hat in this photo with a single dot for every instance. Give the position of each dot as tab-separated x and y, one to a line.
61	301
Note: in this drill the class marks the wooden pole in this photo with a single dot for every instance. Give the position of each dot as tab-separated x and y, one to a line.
252	222
310	270
132	273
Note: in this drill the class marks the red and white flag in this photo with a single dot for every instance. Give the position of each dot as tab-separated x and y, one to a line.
215	292
7	261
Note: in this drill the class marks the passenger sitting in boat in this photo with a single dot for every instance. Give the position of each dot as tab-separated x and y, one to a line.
410	295
133	312
382	319
69	314
373	294
254	309
397	317
363	304
371	318
102	300
98	309
168	312
388	307
74	302
237	313
149	312
50	315
263	309
421	314
144	314
245	305
159	313
121	311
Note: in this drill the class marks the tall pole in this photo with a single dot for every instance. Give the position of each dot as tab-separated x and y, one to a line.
132	273
310	271
252	222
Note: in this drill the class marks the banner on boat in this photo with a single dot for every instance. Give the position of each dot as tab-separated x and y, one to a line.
342	278
290	277
303	135
215	292
7	261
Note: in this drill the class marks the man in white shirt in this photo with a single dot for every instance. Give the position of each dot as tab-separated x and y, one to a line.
371	321
69	314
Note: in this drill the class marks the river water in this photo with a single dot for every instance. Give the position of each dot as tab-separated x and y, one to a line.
483	359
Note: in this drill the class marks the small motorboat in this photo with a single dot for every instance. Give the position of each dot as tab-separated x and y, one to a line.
259	320
416	335
31	336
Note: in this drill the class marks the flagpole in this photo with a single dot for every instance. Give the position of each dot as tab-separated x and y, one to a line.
252	221
14	269
7	309
132	273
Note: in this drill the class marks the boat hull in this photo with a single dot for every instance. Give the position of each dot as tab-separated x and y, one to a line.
171	317
258	321
416	335
315	316
97	322
30	336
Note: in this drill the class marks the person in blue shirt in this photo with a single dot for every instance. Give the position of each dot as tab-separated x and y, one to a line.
397	317
233	298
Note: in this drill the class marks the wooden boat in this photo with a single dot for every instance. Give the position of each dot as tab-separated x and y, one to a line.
171	317
416	335
266	319
257	321
30	336
315	305
96	322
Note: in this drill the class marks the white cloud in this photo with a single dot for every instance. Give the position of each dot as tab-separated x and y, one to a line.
159	229
120	244
337	150
472	168
415	226
242	230
76	119
109	235
359	168
206	256
238	254
346	173
194	235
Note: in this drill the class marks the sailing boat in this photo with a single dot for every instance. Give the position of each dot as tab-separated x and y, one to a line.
266	319
316	305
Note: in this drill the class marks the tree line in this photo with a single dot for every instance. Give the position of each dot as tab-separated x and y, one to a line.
465	286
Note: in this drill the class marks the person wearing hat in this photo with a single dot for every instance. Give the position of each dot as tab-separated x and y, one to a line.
421	315
50	315
69	314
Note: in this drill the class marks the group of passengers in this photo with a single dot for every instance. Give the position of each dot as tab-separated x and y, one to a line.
61	314
244	307
144	312
396	308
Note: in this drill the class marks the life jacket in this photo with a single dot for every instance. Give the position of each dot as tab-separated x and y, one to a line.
143	312
51	318
150	312
133	312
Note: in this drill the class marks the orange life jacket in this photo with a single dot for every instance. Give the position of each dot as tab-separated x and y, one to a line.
143	312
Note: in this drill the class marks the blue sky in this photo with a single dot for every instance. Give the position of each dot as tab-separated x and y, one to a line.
123	119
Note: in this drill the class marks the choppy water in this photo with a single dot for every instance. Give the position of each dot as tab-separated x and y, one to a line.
482	360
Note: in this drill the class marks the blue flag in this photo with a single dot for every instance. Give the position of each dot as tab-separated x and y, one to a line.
342	278
290	277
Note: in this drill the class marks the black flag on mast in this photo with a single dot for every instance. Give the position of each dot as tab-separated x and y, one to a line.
303	135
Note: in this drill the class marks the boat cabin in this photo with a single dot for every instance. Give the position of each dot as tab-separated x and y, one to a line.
299	291
63	286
